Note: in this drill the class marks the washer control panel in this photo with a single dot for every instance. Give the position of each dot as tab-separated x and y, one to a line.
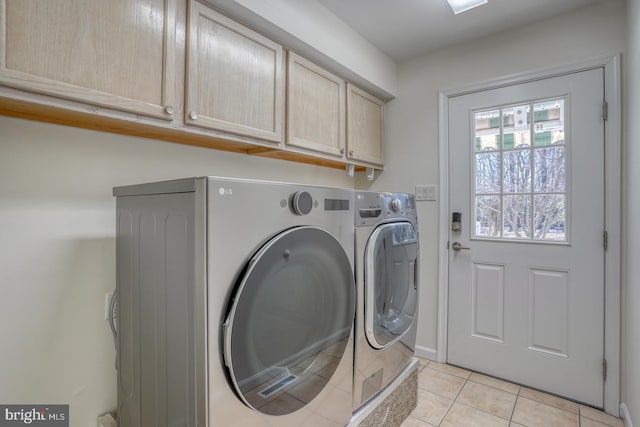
372	207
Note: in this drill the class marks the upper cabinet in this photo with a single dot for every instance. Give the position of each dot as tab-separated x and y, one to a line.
235	77
127	67
119	55
316	115
364	126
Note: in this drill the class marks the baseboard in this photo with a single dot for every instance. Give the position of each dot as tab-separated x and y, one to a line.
426	352
624	414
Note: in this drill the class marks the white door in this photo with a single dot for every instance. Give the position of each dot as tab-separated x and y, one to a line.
526	287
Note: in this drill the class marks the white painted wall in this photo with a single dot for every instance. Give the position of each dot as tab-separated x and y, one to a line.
631	287
57	231
411	134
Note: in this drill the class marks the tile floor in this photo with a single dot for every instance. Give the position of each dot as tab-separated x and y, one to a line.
452	397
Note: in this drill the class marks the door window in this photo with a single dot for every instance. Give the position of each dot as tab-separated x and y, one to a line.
520	172
290	320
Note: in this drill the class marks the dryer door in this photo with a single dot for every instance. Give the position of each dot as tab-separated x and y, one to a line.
391	281
290	320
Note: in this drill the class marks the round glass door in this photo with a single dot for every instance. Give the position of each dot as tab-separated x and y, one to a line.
290	320
391	271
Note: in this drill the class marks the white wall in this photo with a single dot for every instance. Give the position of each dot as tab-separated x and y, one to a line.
411	134
631	288
57	230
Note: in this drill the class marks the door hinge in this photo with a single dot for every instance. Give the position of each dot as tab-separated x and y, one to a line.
605	111
605	239
604	369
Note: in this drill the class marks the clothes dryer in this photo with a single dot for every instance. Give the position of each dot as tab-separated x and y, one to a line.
236	304
386	241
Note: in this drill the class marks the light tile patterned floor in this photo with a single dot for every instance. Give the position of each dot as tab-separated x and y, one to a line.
452	397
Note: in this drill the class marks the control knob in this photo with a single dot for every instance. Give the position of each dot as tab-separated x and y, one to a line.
395	205
301	202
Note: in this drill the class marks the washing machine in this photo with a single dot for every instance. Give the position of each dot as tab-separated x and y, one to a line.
386	243
236	304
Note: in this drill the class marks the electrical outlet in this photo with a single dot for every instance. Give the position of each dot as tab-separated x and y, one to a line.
426	192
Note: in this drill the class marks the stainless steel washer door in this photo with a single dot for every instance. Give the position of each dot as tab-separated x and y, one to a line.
289	321
390	283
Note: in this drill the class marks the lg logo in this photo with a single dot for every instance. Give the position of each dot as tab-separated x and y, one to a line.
225	191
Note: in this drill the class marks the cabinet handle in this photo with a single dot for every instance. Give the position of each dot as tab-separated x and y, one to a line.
169	110
350	153
342	151
193	115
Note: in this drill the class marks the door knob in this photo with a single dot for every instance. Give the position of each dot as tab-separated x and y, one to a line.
457	246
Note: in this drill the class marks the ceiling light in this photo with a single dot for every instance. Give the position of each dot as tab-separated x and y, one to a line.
460	6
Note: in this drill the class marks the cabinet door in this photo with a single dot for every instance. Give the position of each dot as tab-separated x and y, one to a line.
365	126
119	55
315	108
236	79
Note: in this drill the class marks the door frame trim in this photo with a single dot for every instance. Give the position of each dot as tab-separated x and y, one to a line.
613	193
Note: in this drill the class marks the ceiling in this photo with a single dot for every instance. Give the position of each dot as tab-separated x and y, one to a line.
404	29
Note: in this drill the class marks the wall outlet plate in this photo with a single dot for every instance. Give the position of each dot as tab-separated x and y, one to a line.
426	192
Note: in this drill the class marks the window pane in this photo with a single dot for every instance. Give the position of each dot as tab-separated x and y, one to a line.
488	216
520	171
549	217
549	122
550	170
488	172
516	174
517	217
516	131
487	130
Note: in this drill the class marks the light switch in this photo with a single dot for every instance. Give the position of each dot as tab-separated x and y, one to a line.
426	192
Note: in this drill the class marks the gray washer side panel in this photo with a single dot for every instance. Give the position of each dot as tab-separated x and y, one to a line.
161	352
